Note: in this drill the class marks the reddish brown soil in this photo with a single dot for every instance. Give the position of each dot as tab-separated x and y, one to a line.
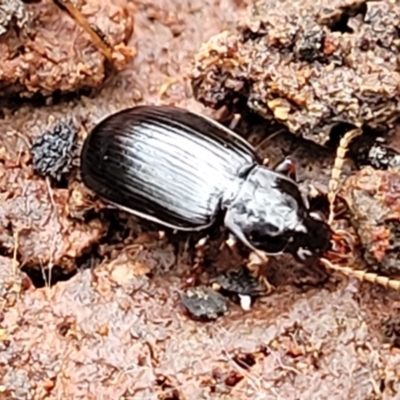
44	50
373	198
308	64
118	331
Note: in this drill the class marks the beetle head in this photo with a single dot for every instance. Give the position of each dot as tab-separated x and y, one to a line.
312	240
270	214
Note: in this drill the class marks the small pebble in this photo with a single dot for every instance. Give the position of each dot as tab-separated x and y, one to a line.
245	302
203	303
241	283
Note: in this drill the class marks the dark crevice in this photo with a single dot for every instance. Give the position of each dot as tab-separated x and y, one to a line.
229	97
4	251
397	30
246	361
90	258
168	392
43	276
249	34
309	46
336	133
19	51
63	183
339	21
119	226
341	25
14	102
319	203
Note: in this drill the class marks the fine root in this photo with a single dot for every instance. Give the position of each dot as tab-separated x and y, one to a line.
97	36
363	275
337	168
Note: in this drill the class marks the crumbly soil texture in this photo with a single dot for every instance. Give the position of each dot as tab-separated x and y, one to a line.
44	51
310	65
98	305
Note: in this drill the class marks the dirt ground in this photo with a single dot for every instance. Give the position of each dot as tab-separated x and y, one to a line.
116	329
292	63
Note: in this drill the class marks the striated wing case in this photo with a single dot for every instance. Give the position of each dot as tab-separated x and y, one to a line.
165	164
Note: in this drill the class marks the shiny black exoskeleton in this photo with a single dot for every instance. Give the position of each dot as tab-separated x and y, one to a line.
181	170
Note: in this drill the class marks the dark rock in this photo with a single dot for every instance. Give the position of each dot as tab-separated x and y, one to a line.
53	151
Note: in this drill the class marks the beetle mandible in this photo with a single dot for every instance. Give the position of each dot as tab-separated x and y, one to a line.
182	170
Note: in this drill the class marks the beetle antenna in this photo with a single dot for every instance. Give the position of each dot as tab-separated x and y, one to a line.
363	275
337	168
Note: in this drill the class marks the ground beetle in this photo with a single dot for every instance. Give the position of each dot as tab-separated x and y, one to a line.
182	170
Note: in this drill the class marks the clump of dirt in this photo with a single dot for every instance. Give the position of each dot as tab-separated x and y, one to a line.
307	65
116	328
44	51
99	336
374	203
13	13
241	282
40	229
203	303
53	152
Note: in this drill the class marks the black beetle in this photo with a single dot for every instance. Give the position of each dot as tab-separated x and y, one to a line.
181	170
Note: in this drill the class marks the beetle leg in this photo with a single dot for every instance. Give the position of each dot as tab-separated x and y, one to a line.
202	242
257	260
232	241
287	167
200	247
269	287
265	162
235	121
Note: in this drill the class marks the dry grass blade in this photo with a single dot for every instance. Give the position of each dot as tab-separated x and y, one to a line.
96	35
